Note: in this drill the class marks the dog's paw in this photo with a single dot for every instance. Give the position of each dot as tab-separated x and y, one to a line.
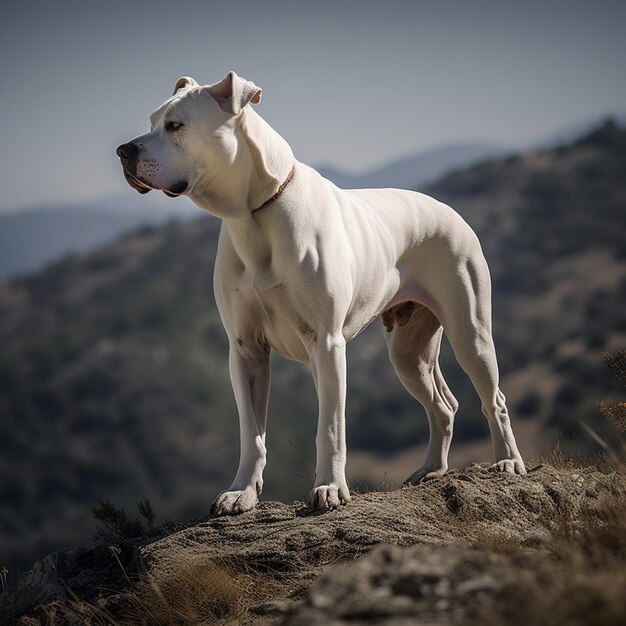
326	497
422	474
234	502
509	466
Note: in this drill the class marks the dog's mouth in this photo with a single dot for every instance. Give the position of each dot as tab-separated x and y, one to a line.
135	183
176	189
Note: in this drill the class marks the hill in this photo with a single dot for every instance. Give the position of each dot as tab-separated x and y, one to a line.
415	169
113	372
462	548
32	238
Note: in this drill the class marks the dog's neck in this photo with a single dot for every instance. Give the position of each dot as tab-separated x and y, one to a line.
254	180
262	163
271	155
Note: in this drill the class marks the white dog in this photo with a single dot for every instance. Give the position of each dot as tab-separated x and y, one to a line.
303	267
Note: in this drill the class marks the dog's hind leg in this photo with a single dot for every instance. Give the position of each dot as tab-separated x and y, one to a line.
466	317
413	337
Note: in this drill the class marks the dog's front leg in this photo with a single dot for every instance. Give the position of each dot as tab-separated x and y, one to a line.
249	367
328	363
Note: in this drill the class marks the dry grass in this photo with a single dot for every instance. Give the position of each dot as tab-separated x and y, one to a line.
565	459
70	613
199	592
578	578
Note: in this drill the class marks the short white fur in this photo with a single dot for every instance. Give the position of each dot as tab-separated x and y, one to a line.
308	271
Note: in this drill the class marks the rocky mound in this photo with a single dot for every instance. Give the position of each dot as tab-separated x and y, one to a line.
259	567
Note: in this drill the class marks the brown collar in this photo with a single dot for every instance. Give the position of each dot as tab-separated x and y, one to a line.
280	190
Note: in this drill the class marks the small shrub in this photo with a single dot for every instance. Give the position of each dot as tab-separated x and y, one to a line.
616	413
147	512
116	520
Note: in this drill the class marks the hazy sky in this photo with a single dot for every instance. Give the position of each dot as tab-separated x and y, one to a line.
348	83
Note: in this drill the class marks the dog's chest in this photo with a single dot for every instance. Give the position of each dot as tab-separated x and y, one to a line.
284	319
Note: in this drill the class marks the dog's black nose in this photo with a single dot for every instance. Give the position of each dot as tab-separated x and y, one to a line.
127	151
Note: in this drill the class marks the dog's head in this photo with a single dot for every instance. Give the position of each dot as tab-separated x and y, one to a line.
191	136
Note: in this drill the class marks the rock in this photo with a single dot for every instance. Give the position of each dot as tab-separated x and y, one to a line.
430	584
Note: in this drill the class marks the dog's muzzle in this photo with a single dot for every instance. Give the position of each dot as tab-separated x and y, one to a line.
128	156
128	153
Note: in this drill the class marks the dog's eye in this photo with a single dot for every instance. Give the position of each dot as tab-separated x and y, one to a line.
173	126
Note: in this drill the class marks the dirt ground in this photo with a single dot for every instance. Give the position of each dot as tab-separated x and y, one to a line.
445	551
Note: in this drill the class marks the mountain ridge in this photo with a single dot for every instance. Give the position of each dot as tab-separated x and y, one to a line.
32	237
413	170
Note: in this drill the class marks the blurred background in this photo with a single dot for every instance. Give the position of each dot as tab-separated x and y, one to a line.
113	361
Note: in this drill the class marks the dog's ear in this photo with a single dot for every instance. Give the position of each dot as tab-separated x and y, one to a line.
234	92
184	81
